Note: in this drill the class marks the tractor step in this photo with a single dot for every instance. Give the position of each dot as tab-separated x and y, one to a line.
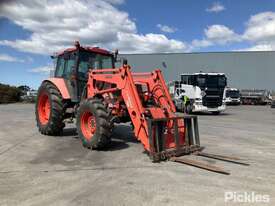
207	166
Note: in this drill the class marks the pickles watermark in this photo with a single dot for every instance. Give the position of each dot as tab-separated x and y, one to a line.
246	197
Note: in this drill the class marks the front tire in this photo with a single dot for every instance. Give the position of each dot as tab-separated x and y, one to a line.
93	123
49	110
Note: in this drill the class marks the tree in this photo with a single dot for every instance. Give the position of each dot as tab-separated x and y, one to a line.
24	89
9	94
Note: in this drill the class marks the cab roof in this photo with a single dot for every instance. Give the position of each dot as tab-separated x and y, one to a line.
88	49
204	73
232	89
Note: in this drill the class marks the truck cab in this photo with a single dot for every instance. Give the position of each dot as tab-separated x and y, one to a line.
205	91
232	96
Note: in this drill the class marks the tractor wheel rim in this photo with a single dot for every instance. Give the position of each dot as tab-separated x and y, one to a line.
44	108
88	125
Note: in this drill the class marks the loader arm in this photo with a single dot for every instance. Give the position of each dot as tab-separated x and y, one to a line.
156	126
124	82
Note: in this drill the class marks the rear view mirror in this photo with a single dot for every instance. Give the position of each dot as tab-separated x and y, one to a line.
115	55
66	56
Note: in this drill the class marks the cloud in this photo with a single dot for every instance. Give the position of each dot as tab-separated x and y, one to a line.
55	25
200	43
42	70
260	31
8	58
133	43
221	34
166	28
259	47
261	27
216	7
216	35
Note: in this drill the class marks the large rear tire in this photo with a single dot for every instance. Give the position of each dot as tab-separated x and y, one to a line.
49	110
94	124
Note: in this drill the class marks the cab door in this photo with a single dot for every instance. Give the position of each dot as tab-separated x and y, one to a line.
85	62
66	69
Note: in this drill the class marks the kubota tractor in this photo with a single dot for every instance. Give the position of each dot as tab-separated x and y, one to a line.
86	85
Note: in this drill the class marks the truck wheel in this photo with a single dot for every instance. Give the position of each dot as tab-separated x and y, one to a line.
49	110
93	124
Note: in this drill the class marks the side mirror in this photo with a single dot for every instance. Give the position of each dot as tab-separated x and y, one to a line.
66	56
115	55
124	62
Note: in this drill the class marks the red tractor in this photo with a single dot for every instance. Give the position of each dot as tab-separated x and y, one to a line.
86	85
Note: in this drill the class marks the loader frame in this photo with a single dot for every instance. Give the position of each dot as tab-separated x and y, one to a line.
149	122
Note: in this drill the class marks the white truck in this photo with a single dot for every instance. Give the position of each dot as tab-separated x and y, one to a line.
199	92
232	96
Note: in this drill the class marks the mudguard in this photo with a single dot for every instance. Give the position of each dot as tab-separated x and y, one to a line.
61	86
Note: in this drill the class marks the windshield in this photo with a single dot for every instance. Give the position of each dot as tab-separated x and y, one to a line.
89	60
211	81
233	94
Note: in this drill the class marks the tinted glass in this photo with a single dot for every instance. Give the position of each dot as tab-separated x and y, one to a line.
60	66
201	81
234	94
86	61
184	79
103	62
69	65
89	60
211	81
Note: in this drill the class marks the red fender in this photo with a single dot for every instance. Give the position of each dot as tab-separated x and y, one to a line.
61	86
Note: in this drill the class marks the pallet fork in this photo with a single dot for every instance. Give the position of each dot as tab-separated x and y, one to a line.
192	147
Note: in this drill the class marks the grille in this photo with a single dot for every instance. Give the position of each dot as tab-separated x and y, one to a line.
213	98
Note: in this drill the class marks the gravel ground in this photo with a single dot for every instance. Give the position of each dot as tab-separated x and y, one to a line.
43	170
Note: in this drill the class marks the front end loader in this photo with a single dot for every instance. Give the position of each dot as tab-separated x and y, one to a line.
90	88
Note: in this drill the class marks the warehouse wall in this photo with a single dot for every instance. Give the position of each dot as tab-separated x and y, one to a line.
243	69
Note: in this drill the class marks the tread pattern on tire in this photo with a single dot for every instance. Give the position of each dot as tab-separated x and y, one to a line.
104	126
55	124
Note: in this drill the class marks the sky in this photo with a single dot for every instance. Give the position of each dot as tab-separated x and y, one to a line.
32	30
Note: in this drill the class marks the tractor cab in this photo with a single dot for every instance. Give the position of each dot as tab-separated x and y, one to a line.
73	65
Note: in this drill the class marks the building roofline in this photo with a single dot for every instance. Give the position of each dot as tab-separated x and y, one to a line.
211	52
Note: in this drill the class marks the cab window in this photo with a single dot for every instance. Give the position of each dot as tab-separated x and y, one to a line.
89	60
103	62
60	66
86	61
65	65
69	65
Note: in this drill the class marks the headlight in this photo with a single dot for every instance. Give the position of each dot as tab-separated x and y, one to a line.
203	93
